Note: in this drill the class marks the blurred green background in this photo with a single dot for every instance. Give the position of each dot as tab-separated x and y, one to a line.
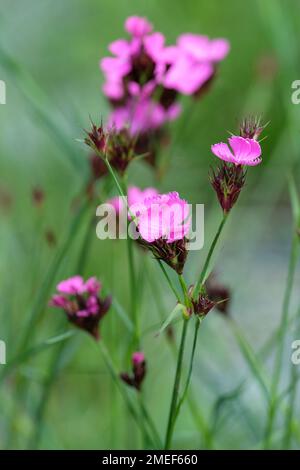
49	56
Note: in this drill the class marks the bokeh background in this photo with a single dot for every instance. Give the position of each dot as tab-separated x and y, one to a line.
49	56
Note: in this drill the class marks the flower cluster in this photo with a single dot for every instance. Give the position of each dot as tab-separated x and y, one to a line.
144	77
81	302
138	371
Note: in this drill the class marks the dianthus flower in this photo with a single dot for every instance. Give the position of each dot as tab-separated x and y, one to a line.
82	303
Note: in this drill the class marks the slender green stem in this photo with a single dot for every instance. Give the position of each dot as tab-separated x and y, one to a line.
173	289
189	376
199	285
150	422
132	280
184	288
192	402
170	427
281	336
204	271
115	376
290	412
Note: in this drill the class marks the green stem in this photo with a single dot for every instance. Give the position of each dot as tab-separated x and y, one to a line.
115	376
203	275
173	289
189	376
198	287
170	427
281	336
184	288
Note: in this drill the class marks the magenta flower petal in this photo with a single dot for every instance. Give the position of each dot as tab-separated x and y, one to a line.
244	151
153	45
92	286
72	286
120	47
186	76
58	301
219	48
116	67
82	313
138	358
165	216
202	49
138	26
222	151
92	305
113	89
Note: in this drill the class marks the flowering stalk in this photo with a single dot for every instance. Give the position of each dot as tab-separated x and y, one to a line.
132	280
115	376
175	405
227	184
171	420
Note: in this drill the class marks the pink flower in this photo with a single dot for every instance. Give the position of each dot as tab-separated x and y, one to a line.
241	151
138	26
81	303
73	285
193	62
164	217
138	358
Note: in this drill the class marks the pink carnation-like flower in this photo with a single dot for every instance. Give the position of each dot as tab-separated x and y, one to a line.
81	303
164	217
241	151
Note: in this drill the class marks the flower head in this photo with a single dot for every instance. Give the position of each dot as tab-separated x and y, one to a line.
229	178
218	293
138	371
202	305
163	224
165	216
81	302
115	145
242	151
